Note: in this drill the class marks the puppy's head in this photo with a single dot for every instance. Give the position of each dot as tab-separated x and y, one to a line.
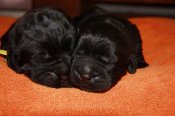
94	64
40	46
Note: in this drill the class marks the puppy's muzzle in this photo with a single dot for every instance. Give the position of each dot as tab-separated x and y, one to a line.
86	73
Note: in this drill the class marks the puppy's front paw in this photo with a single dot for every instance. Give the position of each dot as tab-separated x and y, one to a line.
50	79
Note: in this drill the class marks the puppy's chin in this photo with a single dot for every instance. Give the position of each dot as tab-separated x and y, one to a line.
97	84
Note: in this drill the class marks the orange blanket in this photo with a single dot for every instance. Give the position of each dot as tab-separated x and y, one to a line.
151	91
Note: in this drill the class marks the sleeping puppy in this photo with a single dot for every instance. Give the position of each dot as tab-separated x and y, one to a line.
40	45
108	47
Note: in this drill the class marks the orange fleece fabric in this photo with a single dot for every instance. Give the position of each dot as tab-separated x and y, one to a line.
148	92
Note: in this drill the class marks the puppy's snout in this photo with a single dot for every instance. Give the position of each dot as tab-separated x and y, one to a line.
85	77
87	73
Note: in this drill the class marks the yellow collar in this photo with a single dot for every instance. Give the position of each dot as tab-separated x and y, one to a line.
3	52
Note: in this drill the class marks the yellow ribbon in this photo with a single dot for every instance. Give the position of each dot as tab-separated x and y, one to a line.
3	52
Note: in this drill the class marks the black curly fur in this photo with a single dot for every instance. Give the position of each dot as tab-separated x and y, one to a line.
108	47
40	45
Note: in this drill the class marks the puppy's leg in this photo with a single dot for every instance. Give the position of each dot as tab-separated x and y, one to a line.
140	61
49	79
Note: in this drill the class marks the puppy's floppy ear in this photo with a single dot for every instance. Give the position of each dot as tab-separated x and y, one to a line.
132	64
8	44
13	59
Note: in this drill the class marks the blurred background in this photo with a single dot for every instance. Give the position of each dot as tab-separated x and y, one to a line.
126	8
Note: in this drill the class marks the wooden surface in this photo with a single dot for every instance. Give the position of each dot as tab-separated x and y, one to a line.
136	1
16	4
72	7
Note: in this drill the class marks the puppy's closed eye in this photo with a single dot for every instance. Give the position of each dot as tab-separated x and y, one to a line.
41	56
104	59
80	52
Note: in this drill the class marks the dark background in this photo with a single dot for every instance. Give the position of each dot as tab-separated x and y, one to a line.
127	8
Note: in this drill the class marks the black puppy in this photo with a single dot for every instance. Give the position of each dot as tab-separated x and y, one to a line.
108	47
40	45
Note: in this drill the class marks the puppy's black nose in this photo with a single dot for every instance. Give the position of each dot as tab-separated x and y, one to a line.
86	73
85	77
